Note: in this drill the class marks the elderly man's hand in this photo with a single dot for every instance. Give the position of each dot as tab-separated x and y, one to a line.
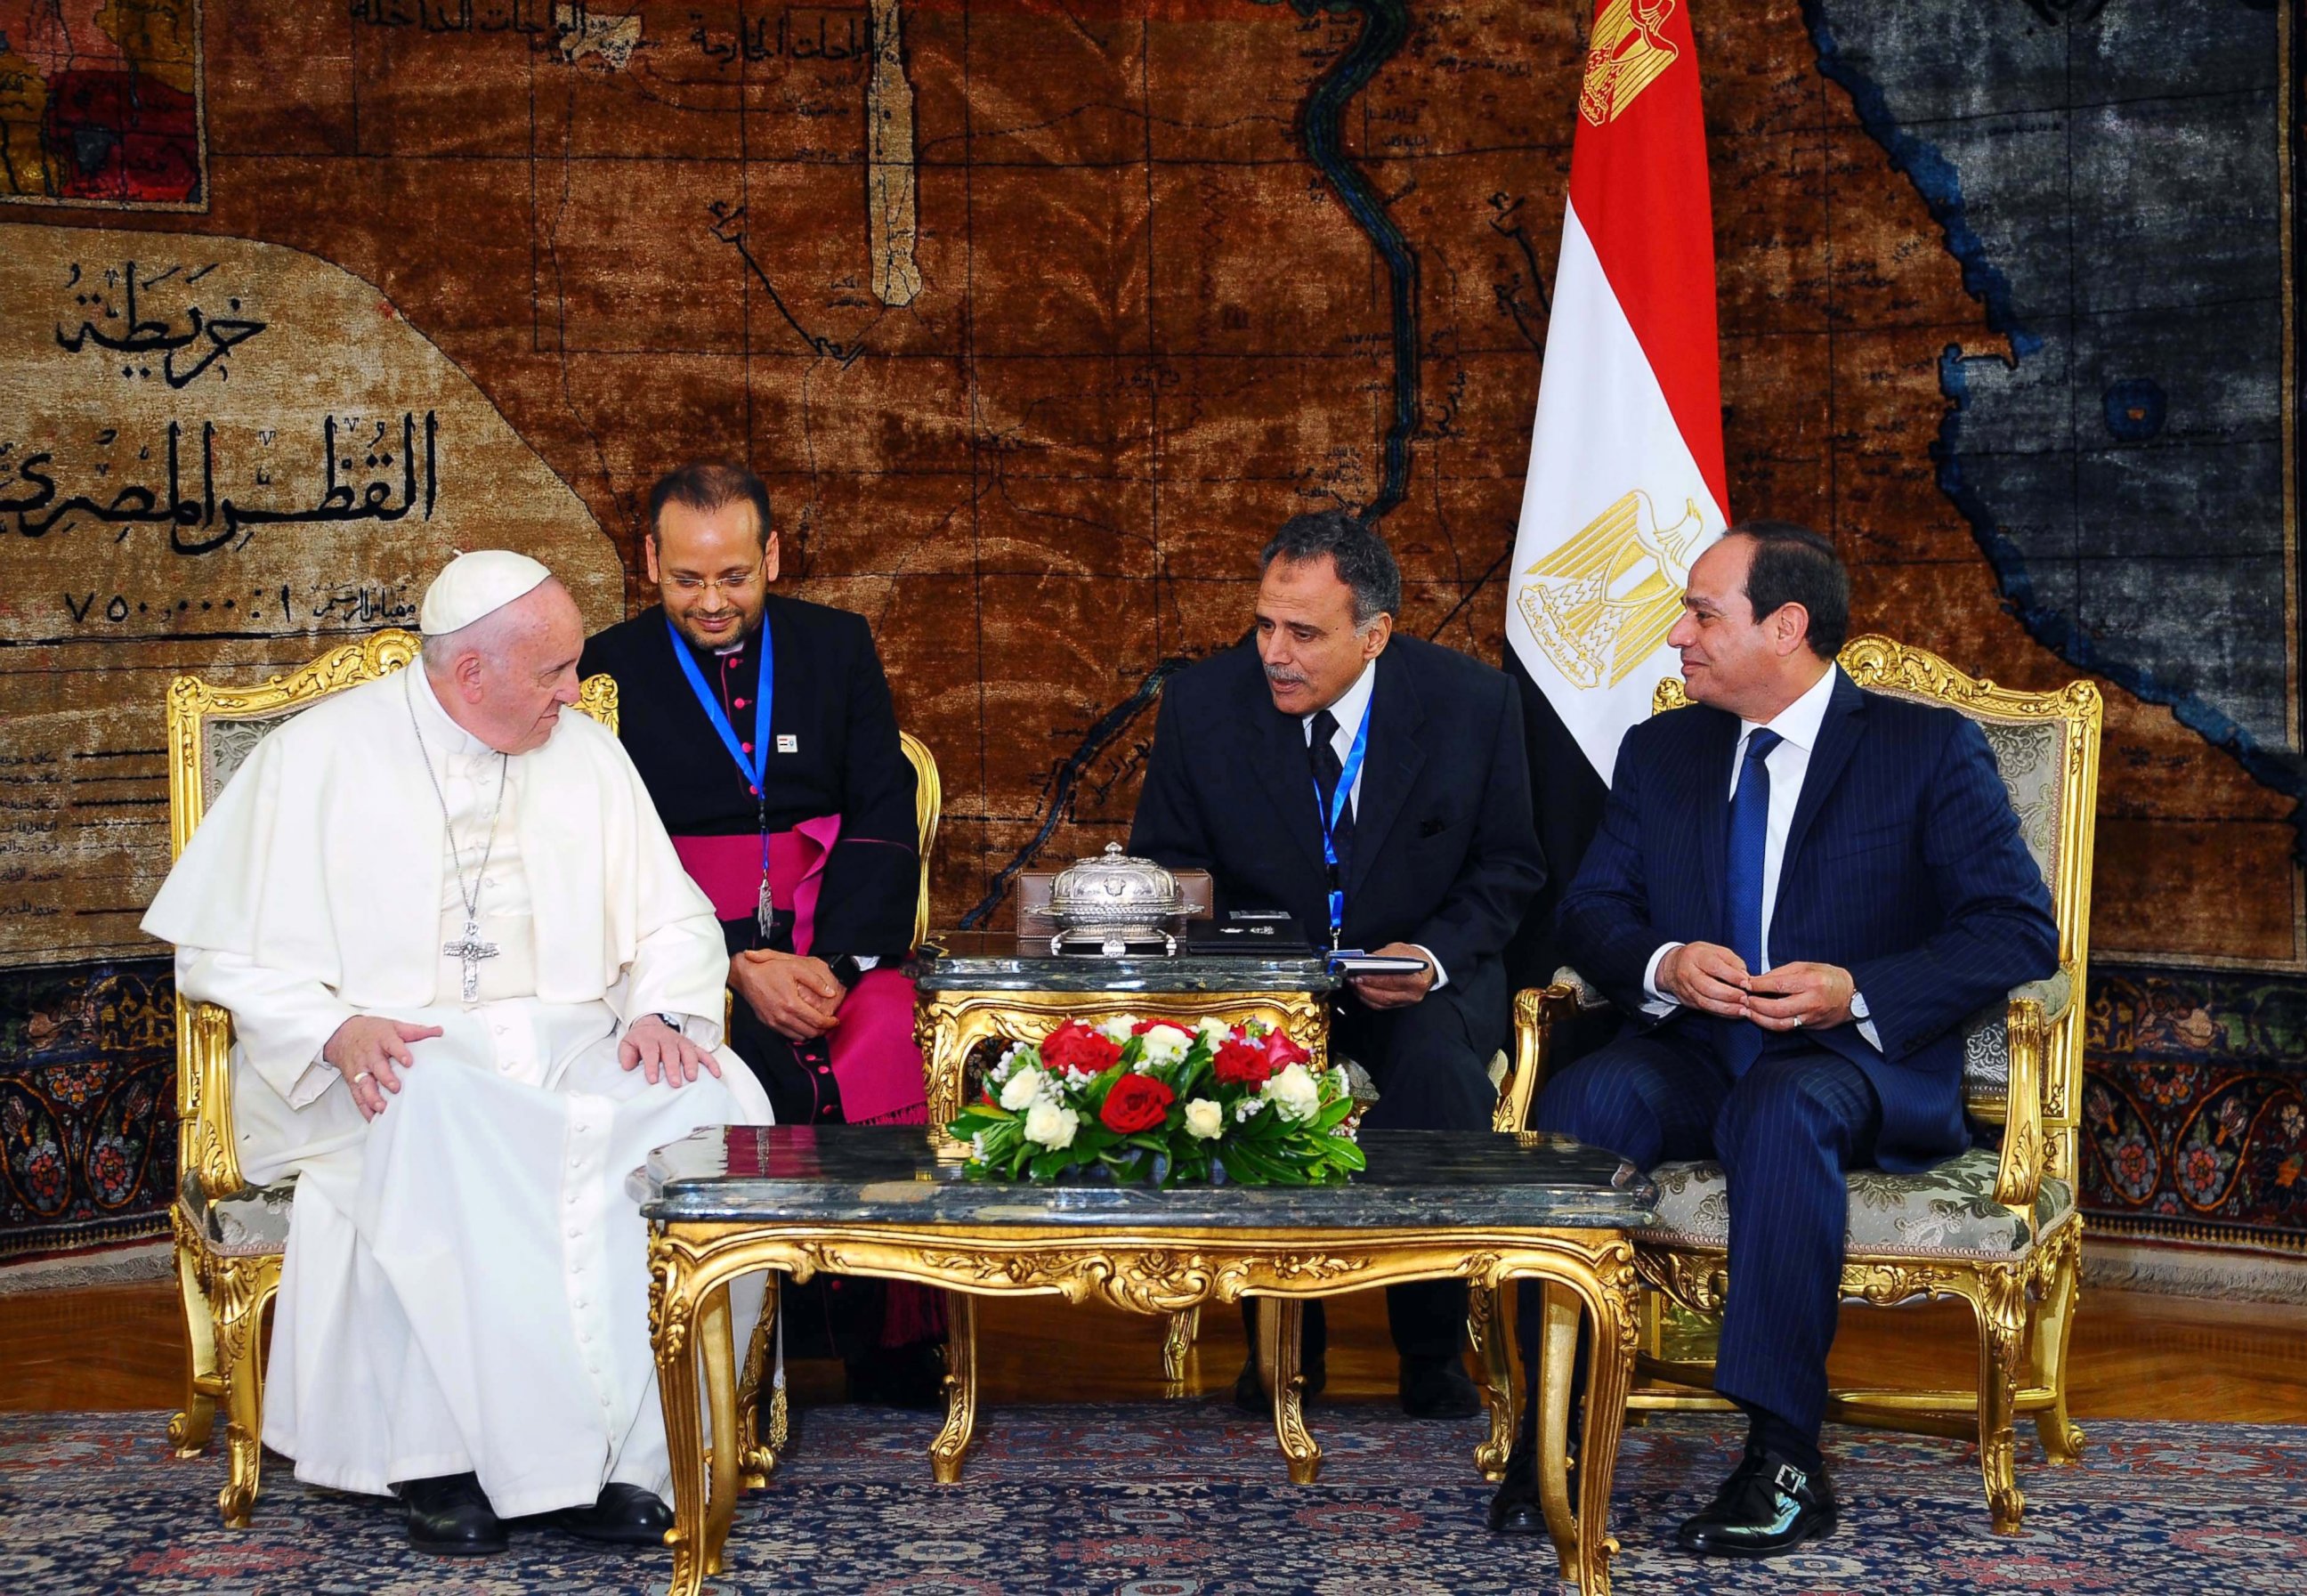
796	997
365	1049
661	1053
1705	975
1795	996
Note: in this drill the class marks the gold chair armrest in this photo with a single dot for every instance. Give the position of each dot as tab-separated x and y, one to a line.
1536	1011
205	1142
2019	1177
2055	992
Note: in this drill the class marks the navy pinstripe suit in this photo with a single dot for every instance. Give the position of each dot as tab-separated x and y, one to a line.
1903	864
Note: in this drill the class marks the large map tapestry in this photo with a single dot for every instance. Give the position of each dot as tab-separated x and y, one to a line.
1038	316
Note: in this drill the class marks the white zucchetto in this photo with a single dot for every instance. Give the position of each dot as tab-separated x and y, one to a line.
471	585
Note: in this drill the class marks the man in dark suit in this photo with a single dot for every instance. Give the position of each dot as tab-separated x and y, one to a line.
1798	892
1430	835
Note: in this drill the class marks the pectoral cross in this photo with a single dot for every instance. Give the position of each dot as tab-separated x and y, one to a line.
471	950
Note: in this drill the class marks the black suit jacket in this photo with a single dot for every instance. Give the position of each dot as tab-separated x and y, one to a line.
1443	852
832	699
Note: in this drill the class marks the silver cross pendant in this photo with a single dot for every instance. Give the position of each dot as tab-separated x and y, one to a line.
472	950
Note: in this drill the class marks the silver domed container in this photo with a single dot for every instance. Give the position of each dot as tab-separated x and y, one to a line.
1112	900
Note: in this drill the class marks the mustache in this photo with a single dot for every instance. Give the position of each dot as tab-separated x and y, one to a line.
1282	678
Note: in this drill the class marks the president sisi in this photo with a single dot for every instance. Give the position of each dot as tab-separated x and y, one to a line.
1335	755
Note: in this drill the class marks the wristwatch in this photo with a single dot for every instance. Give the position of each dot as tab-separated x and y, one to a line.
848	969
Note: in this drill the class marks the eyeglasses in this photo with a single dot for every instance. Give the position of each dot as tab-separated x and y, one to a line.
741	583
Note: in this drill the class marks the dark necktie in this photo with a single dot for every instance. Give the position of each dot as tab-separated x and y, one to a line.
1742	895
1323	752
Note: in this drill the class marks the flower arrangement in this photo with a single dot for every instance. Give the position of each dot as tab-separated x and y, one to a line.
1159	1099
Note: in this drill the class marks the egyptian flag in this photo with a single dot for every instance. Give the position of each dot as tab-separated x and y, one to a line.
1626	483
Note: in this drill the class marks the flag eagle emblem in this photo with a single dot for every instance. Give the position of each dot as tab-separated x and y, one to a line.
1628	49
1602	603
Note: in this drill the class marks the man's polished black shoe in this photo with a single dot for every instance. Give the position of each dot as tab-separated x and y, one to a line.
624	1516
1766	1507
1438	1389
1249	1391
450	1516
1515	1510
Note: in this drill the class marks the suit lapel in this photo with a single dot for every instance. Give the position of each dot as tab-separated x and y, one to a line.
1390	766
1838	735
1719	747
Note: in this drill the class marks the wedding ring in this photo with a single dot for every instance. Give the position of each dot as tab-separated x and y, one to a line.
366	1075
1797	1022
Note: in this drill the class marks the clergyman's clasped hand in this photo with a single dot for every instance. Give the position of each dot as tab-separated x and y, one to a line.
1792	997
365	1049
796	996
660	1053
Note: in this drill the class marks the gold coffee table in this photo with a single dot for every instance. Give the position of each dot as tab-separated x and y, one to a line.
881	1201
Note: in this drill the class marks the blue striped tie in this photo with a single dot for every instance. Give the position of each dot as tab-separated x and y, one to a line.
1742	895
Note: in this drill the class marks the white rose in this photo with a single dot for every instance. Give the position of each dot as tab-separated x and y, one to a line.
1166	1044
1293	1094
1214	1031
1117	1029
1205	1118
1023	1087
1051	1126
977	1146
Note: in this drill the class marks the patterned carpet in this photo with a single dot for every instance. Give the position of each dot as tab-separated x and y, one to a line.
1188	1499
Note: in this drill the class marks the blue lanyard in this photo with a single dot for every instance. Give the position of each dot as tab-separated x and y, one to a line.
765	692
1348	774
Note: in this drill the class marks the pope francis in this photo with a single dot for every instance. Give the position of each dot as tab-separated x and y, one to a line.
471	986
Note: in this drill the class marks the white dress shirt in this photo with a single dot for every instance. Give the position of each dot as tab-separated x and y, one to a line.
1348	710
1798	726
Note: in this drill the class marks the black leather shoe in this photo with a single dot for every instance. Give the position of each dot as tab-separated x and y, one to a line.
624	1516
1438	1390
1514	1509
910	1377
450	1516
1249	1391
1766	1507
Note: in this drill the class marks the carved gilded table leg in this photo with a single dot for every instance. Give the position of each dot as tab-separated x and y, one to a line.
757	1456
1281	1323
1486	1327
716	1348
952	1444
671	1307
1609	1292
1558	1360
1178	1346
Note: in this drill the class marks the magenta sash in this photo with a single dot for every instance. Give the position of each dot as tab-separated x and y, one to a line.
872	1053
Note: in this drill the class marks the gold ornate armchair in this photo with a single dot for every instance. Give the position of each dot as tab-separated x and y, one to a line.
229	1235
1996	1226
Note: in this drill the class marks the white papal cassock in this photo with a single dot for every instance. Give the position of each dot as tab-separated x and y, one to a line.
466	1285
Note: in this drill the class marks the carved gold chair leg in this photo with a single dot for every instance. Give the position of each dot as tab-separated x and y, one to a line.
241	1290
1178	1344
2054	1319
1557	1362
2000	1305
757	1454
1490	1329
189	1431
951	1447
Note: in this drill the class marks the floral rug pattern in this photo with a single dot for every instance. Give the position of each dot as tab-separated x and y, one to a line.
1189	1499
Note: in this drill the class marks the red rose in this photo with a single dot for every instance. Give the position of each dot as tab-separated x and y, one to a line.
1281	1052
1240	1063
1137	1102
1142	1027
1074	1048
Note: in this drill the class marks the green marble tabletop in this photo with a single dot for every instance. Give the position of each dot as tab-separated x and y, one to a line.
889	1174
983	962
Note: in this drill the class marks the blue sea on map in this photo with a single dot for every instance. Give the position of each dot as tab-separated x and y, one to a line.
2108	175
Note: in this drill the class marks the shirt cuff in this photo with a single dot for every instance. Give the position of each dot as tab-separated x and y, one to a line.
869	961
1660	1005
307	1088
1441	975
1858	1012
